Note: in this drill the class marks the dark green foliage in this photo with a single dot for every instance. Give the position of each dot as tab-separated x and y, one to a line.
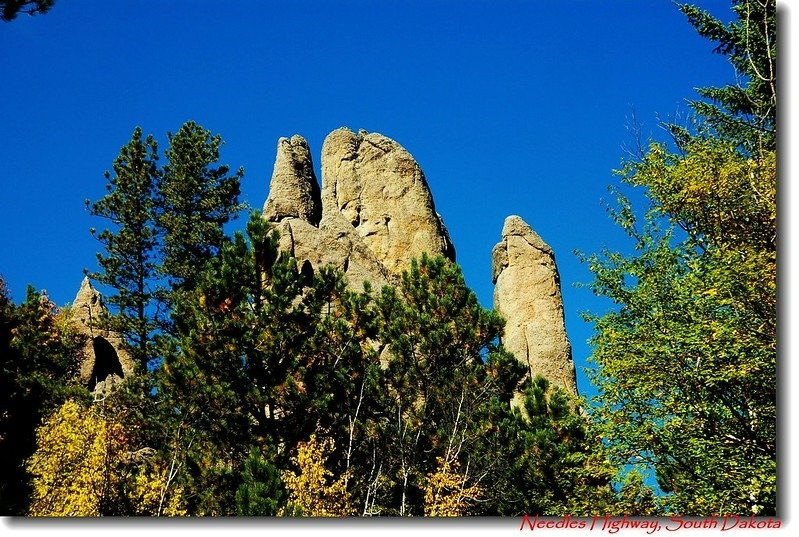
549	442
196	198
437	396
166	225
129	263
9	9
261	492
745	112
546	458
38	356
262	355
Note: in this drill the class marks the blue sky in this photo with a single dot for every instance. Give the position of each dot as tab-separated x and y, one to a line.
510	107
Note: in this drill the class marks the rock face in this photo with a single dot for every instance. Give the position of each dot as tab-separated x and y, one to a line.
105	361
527	294
373	214
380	190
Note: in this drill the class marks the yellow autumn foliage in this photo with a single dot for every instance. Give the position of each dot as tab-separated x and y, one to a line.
78	469
313	489
147	493
446	493
76	448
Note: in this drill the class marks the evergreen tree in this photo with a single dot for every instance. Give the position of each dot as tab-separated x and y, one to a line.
264	356
745	112
437	395
196	198
261	491
129	263
549	460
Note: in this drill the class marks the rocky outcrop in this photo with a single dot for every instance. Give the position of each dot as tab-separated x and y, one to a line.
380	190
377	211
293	191
105	361
374	213
527	294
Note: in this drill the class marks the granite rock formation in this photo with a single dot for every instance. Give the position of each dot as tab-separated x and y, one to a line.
293	192
373	214
527	294
105	361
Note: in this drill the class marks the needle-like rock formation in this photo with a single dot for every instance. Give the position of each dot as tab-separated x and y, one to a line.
527	293
374	212
105	360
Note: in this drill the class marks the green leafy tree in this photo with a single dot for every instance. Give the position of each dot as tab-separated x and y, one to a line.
129	263
686	362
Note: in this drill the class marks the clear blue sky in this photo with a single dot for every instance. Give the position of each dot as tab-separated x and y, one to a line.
510	107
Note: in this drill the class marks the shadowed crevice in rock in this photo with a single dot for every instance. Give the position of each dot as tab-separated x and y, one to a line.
104	353
106	363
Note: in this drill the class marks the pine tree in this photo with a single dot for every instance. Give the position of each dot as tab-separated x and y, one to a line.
9	9
745	112
196	198
261	491
129	263
444	380
263	356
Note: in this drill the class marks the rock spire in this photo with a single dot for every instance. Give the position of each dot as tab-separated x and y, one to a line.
105	361
527	294
373	213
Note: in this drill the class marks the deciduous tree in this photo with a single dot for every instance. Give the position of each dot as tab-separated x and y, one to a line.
39	355
686	361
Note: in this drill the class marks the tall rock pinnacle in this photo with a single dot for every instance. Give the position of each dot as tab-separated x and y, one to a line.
378	187
105	359
527	294
293	191
377	211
